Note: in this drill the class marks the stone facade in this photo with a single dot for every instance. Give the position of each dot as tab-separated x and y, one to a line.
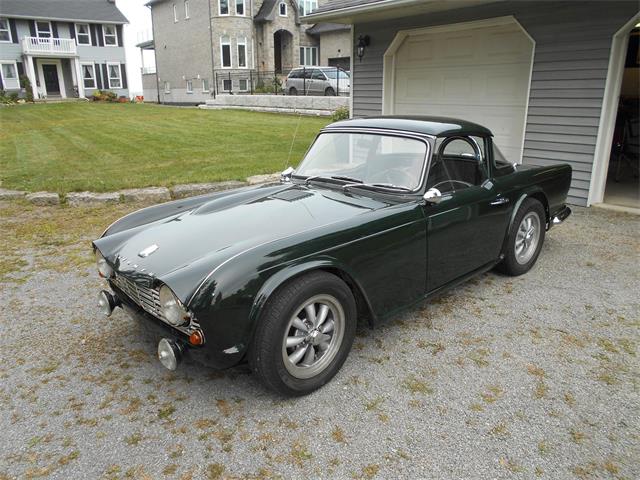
334	48
190	50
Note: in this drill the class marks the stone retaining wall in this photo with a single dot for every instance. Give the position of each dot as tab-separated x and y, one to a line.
279	103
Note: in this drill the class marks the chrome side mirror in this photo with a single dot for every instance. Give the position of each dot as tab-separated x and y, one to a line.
285	176
433	196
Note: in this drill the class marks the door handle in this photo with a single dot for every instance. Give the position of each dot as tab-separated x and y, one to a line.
500	201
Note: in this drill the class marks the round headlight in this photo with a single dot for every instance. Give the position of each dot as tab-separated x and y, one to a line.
103	267
172	309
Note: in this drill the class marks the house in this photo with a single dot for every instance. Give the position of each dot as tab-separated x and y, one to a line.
545	76
209	47
67	48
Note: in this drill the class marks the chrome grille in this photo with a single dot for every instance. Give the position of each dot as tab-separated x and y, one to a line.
145	297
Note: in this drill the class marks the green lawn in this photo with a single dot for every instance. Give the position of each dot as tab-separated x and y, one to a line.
105	147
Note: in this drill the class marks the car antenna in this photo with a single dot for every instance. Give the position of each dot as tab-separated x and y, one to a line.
295	134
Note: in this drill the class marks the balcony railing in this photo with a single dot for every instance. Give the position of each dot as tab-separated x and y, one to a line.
49	46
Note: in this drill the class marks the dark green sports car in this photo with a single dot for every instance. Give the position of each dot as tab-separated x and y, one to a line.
381	214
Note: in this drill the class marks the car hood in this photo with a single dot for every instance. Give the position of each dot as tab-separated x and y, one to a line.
222	228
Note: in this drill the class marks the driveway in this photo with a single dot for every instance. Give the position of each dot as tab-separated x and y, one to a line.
535	376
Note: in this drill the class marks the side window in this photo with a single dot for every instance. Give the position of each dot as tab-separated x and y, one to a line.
306	74
318	75
456	165
295	74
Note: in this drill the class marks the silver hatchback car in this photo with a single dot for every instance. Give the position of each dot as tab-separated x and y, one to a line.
318	81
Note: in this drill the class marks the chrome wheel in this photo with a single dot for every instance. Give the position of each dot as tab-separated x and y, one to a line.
527	238
313	337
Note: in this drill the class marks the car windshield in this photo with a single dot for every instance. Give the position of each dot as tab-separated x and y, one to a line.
366	158
334	74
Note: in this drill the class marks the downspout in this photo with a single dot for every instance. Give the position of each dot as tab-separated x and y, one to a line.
213	68
155	55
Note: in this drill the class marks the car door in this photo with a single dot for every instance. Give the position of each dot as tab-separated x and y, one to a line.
318	82
466	229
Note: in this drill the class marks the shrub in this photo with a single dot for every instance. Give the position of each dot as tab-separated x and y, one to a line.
104	96
340	113
28	89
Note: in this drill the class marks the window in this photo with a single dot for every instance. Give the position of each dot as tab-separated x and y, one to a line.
110	35
244	85
224	7
456	166
89	75
186	9
5	30
226	85
83	34
307	6
205	85
308	56
9	73
189	86
240	7
115	76
225	49
43	29
282	9
167	87
175	14
318	75
242	53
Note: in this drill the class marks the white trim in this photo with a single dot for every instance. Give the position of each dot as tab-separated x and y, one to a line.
109	64
43	87
75	26
38	30
189	83
167	88
222	43
286	9
220	8
306	60
175	13
208	89
240	80
244	8
609	112
60	19
76	72
115	35
389	60
6	19
353	36
93	68
15	70
242	41
186	10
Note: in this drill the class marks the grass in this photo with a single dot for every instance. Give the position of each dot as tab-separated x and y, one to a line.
106	147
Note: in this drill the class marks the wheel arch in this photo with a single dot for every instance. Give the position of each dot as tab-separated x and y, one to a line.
537	194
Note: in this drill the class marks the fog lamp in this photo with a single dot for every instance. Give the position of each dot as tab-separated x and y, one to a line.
106	302
169	353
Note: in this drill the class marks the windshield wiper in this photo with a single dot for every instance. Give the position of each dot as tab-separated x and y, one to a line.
374	186
335	177
348	179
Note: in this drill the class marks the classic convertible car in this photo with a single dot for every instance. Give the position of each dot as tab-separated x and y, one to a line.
381	213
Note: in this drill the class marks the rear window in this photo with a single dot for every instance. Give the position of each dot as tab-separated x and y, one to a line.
295	74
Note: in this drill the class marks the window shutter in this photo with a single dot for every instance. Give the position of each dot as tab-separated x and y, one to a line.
94	34
96	67
72	30
119	32
14	30
105	76
32	28
123	72
20	69
100	37
54	29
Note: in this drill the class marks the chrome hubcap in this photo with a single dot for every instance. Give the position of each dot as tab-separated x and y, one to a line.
527	237
313	336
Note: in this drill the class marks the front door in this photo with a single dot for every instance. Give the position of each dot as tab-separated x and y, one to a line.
466	229
51	81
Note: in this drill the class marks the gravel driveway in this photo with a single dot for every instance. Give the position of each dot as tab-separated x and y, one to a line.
535	376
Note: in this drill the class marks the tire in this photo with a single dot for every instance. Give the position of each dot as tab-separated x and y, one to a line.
293	91
329	92
520	254
270	358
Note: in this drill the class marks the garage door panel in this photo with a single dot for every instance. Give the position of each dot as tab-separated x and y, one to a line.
477	74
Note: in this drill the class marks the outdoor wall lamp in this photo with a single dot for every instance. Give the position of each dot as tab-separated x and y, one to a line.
363	42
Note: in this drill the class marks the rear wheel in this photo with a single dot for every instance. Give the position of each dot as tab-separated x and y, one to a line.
329	92
293	91
304	334
525	239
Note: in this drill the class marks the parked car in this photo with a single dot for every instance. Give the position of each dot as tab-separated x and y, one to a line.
381	213
326	81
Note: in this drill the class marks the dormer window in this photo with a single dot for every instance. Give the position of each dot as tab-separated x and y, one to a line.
282	9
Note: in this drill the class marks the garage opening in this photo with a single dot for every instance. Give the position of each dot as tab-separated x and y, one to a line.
622	186
477	71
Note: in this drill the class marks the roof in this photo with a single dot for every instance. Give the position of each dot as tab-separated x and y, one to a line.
426	125
267	11
87	10
146	45
320	28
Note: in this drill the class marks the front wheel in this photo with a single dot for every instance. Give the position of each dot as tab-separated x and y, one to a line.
304	334
329	92
525	239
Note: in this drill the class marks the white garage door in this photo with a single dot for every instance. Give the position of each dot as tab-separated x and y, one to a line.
477	73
